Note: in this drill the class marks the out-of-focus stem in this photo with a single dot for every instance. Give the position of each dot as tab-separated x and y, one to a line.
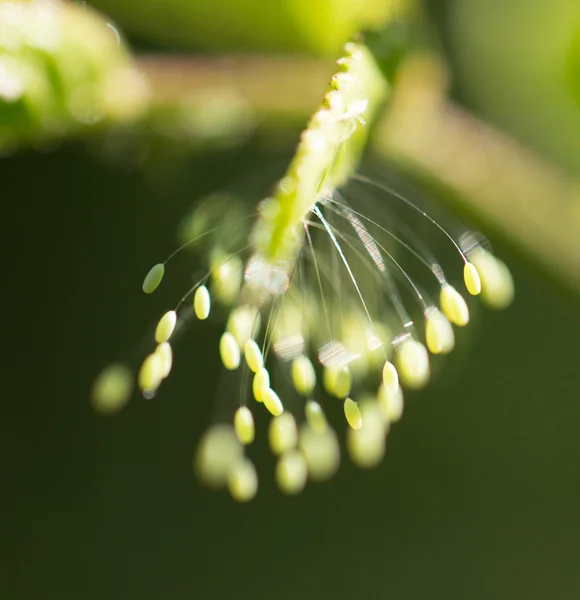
286	88
482	171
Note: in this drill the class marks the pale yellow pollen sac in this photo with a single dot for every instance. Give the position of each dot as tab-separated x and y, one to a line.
153	278
454	305
303	375
366	446
151	373
343	382
352	414
244	425
321	452
502	295
112	389
243	323
253	356
229	351
166	354
201	303
272	401
282	433
165	327
218	450
243	480
379	344
260	383
438	332
315	417
337	381
227	272
287	332
358	341
412	362
497	286
391	403
390	376
471	279
291	472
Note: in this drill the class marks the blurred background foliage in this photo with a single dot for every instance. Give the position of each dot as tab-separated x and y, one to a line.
478	494
318	27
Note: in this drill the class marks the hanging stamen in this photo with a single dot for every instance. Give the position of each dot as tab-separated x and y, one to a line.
472	275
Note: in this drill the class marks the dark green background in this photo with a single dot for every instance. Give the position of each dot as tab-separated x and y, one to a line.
478	496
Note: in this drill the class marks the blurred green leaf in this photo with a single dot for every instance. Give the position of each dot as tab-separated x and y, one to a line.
62	68
517	66
318	27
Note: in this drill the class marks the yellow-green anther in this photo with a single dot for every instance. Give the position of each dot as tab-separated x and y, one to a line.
243	324
391	403
112	389
201	303
321	452
218	450
315	417
412	361
357	340
260	383
153	278
343	382
501	295
497	286
291	324
471	279
151	373
229	351
303	375
352	414
166	355
329	379
454	305
390	376
383	349
253	356
165	327
272	402
244	425
438	333
291	472
243	480
366	446
282	433
226	277
337	381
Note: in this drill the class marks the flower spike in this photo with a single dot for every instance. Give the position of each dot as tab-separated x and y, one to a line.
322	305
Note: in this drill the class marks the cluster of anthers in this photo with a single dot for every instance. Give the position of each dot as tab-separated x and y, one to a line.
321	312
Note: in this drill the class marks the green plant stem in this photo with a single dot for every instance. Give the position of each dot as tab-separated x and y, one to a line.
278	89
327	155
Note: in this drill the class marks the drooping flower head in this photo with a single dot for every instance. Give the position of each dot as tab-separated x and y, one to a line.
318	297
